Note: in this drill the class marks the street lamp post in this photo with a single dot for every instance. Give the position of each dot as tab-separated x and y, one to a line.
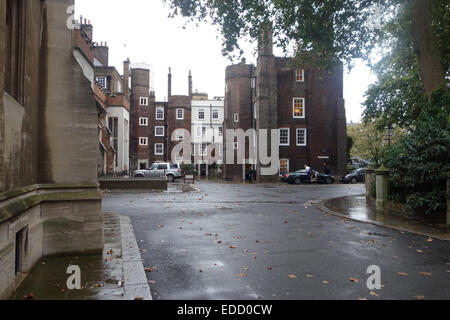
389	133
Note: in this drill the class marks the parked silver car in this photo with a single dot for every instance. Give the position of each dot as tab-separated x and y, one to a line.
171	171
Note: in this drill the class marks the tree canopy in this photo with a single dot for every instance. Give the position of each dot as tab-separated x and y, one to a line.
335	30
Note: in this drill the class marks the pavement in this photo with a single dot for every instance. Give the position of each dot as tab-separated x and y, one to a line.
261	241
117	274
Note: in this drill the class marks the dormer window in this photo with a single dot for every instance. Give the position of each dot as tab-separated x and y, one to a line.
102	82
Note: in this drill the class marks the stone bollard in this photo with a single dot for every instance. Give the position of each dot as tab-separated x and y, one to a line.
382	176
370	178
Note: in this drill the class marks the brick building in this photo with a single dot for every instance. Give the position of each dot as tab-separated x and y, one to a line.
152	122
305	105
148	120
111	93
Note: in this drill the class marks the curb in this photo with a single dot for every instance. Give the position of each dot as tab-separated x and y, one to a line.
135	281
320	205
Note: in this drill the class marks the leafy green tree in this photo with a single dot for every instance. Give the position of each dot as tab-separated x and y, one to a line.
399	95
419	162
368	141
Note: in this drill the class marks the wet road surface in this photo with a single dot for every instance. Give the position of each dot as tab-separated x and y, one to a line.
267	242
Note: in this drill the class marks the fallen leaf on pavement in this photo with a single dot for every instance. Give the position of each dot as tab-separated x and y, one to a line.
208	234
150	269
420	297
425	273
139	298
241	275
233	247
29	296
354	280
419	251
269	268
430	240
403	274
309	276
292	276
374	294
325	282
219	242
362	299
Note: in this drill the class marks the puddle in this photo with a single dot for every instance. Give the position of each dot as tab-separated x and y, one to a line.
47	281
357	207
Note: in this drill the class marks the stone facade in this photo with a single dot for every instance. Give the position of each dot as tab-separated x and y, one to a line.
304	104
50	202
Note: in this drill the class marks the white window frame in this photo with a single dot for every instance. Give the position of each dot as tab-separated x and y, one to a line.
236	117
297	137
303	75
199	131
193	148
159	135
143	141
204	131
143	122
162	148
220	149
201	111
156	116
288	137
103	83
214	112
287	168
179	134
143	101
304	108
182	114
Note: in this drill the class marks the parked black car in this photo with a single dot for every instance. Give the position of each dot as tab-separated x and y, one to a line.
299	177
358	175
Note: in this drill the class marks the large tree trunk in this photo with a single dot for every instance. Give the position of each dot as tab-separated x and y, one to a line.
426	46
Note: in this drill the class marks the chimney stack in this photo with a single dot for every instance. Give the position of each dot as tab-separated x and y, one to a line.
87	27
190	84
126	76
266	40
169	85
102	54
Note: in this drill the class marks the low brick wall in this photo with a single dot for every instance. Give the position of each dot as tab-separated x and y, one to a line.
133	184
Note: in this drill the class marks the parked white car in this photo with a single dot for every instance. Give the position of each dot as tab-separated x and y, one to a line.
171	171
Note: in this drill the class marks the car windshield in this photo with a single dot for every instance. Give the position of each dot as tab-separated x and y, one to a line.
154	167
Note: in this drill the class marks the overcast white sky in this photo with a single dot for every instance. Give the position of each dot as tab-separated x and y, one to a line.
141	30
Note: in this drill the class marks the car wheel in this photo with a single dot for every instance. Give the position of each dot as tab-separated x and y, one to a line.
354	180
170	178
329	181
298	181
